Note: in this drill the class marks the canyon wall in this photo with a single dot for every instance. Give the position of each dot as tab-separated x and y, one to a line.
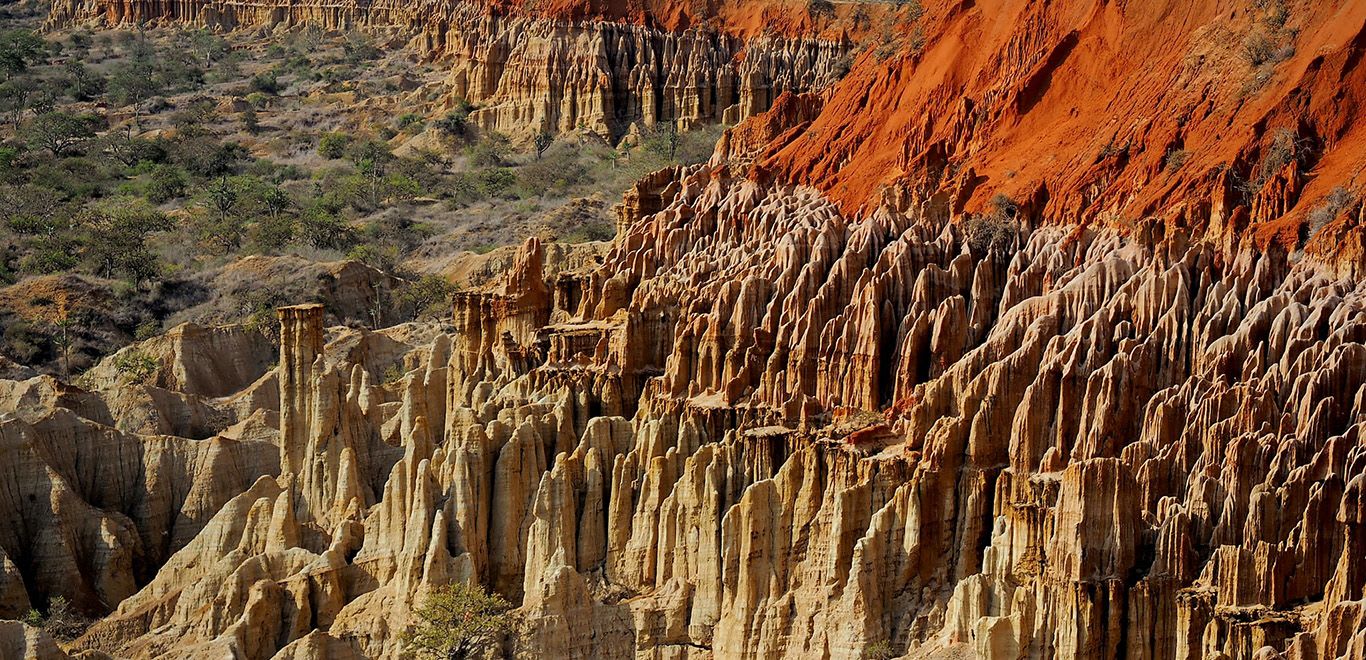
528	72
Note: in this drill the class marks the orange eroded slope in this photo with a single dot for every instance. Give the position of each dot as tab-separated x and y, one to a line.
1082	110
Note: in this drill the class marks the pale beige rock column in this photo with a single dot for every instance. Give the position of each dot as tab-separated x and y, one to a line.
301	342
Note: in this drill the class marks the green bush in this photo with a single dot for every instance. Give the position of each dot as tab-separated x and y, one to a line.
459	621
267	83
165	183
333	145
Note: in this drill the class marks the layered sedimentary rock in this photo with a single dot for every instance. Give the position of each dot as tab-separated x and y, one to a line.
768	426
861	434
532	71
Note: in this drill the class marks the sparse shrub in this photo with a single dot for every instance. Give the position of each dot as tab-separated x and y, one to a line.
661	140
135	366
843	65
1175	159
560	170
880	650
1337	201
1003	207
491	151
249	120
33	618
992	232
258	312
1258	48
146	330
63	622
820	8
917	40
410	119
1286	146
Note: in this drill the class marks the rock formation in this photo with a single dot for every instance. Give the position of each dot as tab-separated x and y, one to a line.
529	72
770	424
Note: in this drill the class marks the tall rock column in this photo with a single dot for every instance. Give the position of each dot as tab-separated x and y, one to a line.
323	427
301	342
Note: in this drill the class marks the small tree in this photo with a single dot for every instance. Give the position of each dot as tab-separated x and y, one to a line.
250	120
19	49
164	183
543	141
459	621
16	97
116	238
82	82
59	132
454	124
132	84
491	151
333	145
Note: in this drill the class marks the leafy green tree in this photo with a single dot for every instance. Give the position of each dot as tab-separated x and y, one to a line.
270	234
16	97
130	150
132	83
322	229
271	199
429	295
19	49
116	238
372	159
208	47
222	197
383	258
60	132
209	158
459	621
31	210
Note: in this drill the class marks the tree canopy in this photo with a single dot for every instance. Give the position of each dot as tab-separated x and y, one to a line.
459	621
